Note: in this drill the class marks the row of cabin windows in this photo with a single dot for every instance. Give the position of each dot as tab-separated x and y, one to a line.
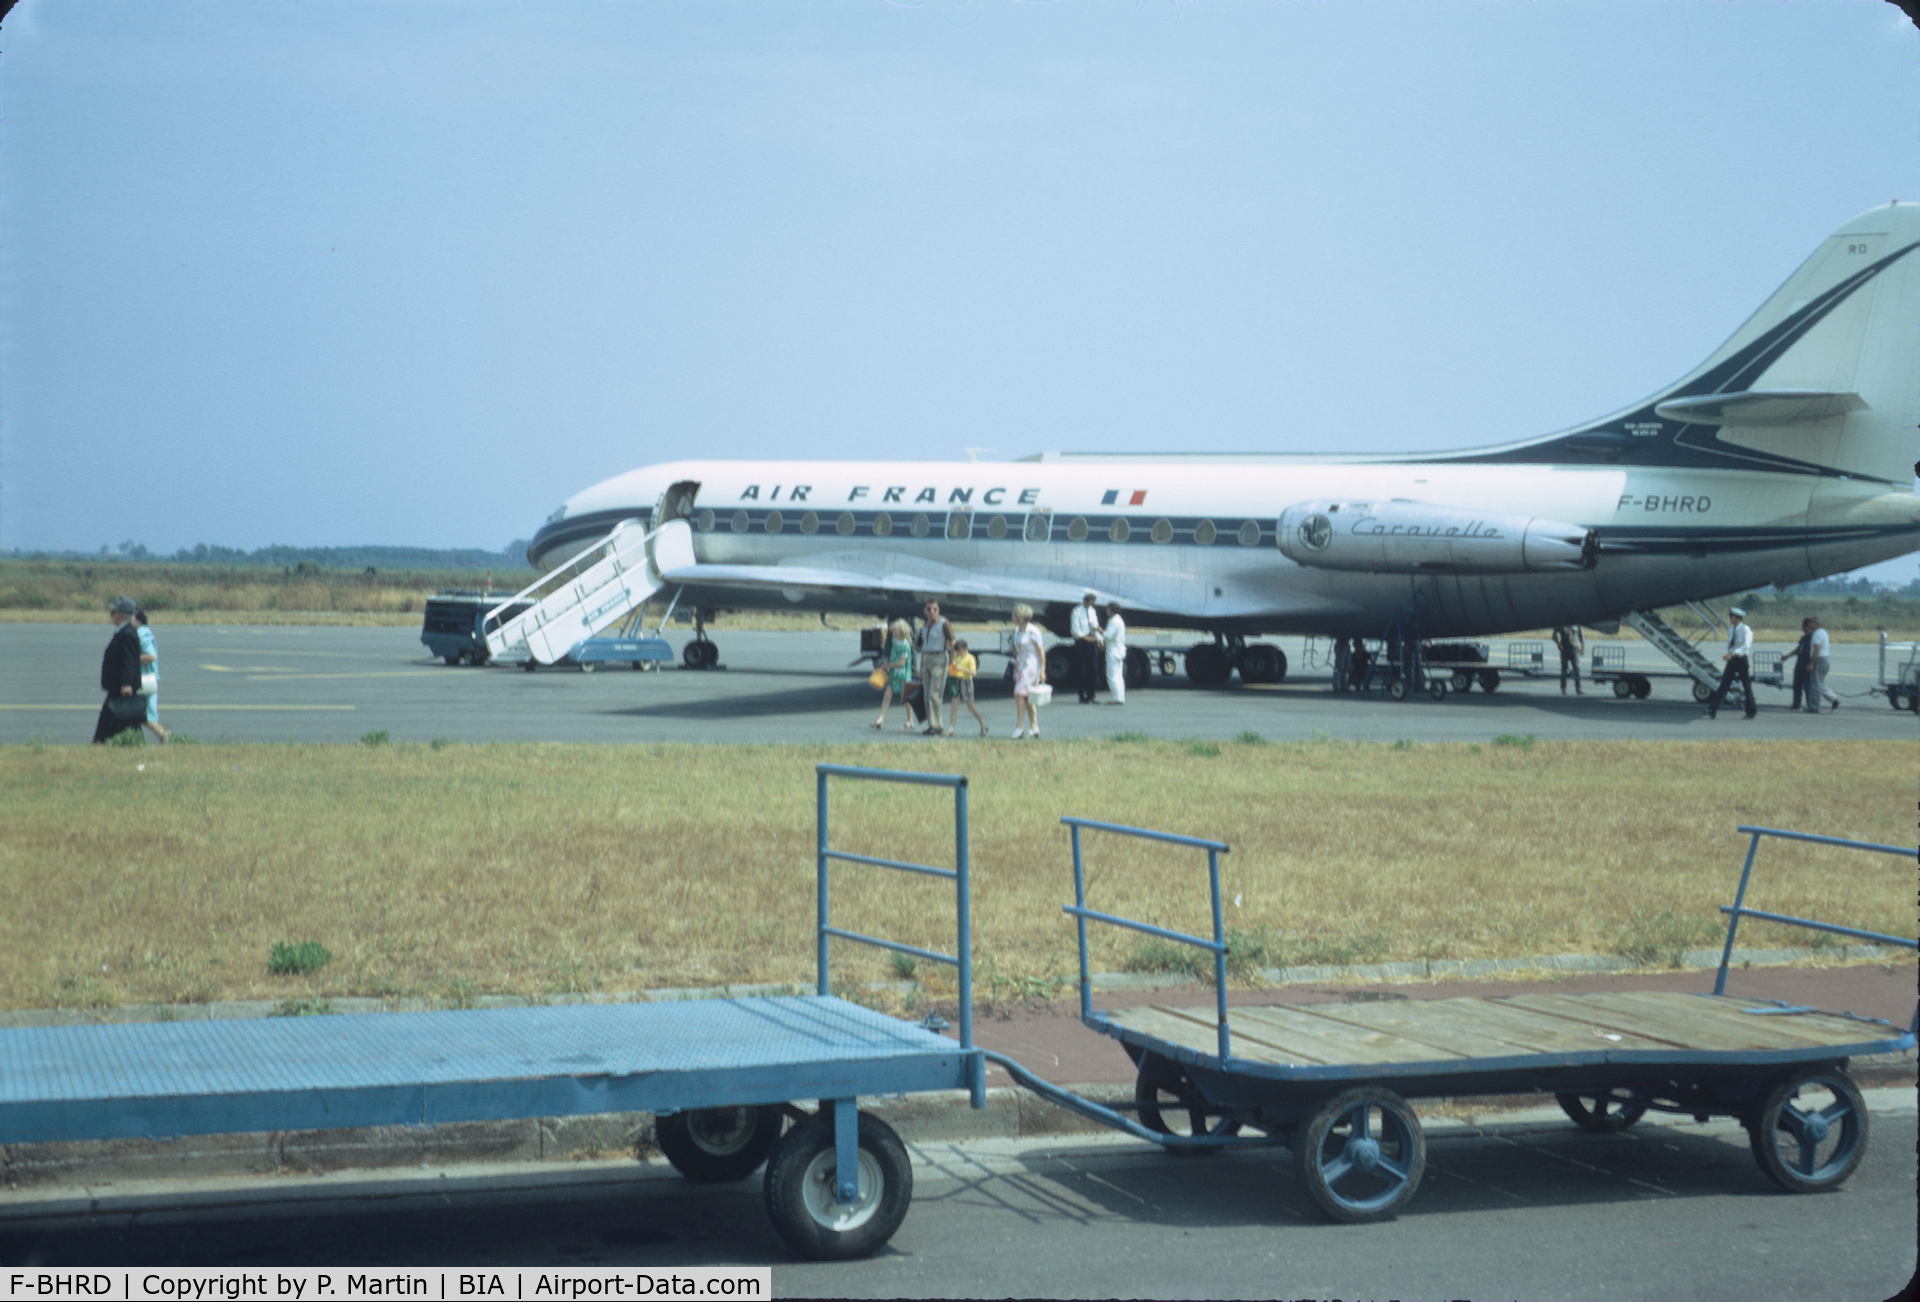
1038	527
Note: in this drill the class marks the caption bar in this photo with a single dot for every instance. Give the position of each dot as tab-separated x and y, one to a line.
315	1285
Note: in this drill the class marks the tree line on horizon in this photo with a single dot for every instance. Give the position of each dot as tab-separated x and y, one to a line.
370	556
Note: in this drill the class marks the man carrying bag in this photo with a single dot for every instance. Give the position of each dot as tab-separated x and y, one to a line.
124	707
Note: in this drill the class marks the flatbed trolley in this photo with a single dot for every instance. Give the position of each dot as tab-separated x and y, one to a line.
722	1075
1331	1081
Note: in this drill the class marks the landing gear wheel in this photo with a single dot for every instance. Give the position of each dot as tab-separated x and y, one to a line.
1603	1114
1060	668
699	654
800	1186
1489	679
1811	1131
1207	665
716	1145
1362	1155
1702	693
1139	668
1171	1104
1642	689
1260	663
1622	688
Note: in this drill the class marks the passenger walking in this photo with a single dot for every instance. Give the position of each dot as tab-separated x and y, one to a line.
1115	636
1738	657
1085	627
899	667
1029	671
150	670
1572	644
931	646
961	671
1818	645
120	674
1802	657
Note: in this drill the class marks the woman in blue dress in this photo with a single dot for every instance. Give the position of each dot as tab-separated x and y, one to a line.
150	664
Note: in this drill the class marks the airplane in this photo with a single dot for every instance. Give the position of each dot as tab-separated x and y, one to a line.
1787	455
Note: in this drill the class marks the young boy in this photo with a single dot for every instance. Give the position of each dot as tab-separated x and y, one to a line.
960	672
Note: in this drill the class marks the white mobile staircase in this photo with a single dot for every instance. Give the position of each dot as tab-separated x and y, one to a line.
590	593
1677	646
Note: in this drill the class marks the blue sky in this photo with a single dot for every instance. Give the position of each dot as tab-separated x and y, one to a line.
415	272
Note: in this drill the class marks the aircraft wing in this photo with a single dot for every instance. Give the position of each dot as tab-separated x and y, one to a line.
869	575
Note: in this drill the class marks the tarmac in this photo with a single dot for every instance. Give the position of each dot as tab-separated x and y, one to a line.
1044	1035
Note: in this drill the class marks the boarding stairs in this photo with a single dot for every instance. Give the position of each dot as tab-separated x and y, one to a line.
591	592
1677	646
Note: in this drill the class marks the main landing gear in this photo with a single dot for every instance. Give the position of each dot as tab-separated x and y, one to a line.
700	653
1209	664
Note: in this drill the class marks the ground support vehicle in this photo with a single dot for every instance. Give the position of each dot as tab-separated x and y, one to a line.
724	1076
450	625
1331	1082
1901	684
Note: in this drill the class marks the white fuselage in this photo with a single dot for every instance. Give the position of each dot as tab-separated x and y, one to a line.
1192	542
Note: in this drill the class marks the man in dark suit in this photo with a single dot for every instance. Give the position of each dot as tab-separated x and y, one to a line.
119	670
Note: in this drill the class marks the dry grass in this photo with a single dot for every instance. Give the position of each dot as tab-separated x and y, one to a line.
460	870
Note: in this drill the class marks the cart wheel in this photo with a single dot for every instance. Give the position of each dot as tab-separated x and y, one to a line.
586	668
1603	1114
1642	688
1622	688
453	659
799	1188
1701	692
1163	1088
715	1145
1489	679
1462	680
529	664
1437	688
1397	689
1362	1155
1811	1132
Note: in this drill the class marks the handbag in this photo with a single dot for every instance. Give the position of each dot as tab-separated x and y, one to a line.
877	679
149	684
1040	693
127	709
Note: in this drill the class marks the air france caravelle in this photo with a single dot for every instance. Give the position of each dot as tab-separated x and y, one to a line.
1785	456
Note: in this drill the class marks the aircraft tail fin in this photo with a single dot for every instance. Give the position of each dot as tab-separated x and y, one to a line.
1822	380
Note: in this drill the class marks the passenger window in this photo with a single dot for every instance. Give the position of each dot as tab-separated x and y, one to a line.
740	522
1204	533
997	527
704	523
921	525
1163	531
959	524
1039	526
844	525
810	523
1119	530
1250	533
1077	529
774	523
882	525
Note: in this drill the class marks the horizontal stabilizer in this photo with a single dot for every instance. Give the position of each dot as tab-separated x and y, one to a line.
1760	407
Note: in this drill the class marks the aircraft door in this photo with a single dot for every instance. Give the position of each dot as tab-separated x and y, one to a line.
676	503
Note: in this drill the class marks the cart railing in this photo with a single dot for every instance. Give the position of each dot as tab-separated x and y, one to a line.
960	875
1082	914
1738	909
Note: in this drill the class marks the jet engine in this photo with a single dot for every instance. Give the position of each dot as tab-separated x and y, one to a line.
1407	537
